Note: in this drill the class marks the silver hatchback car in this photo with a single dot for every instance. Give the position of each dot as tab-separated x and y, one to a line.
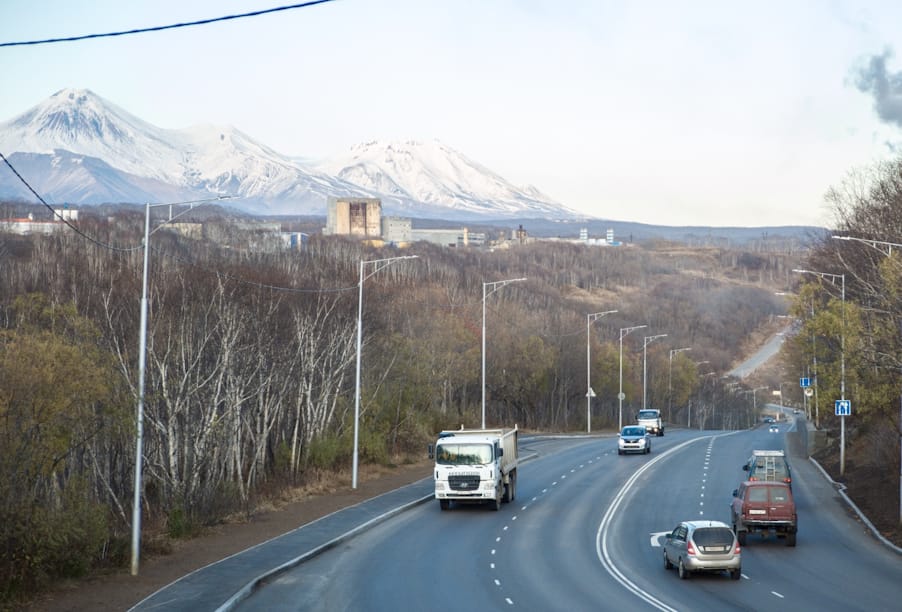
702	546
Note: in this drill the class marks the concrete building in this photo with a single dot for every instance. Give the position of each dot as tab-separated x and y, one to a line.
361	217
29	225
443	237
396	230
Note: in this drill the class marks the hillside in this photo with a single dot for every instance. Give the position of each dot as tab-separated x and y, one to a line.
275	330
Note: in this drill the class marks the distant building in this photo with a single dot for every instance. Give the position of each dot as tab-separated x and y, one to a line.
476	239
30	225
520	235
444	237
296	241
396	230
608	240
360	217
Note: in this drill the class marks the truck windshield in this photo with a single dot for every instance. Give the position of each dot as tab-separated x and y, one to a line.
648	414
464	454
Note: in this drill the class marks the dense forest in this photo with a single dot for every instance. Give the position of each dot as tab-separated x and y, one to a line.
251	361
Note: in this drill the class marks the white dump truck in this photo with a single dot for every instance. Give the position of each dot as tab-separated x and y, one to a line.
651	421
475	465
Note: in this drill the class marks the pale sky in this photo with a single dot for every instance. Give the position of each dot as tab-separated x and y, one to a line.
666	112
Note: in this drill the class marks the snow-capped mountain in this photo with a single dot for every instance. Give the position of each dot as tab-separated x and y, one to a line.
433	173
78	147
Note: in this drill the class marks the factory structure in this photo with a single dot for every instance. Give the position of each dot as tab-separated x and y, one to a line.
362	218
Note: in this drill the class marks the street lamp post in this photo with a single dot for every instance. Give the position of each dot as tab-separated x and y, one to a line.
842	361
812	374
755	400
670	381
648	339
495	285
620	396
142	361
701	404
590	318
380	264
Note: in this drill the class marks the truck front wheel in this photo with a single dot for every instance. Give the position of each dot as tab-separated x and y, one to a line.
444	504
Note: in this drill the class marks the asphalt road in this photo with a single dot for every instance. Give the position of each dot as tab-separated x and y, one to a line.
583	535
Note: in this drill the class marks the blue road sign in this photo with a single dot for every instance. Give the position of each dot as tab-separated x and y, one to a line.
804	382
843	407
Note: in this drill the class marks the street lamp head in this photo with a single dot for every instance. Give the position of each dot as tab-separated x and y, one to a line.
597	315
653	338
626	330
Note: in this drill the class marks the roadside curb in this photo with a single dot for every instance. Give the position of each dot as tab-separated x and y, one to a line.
254	584
864	519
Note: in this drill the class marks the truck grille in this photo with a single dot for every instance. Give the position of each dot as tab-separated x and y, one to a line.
464	482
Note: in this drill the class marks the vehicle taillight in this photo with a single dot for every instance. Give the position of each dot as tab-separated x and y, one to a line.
737	550
690	549
787	479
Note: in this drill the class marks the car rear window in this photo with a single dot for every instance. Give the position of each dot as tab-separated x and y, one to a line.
758	494
713	536
778	495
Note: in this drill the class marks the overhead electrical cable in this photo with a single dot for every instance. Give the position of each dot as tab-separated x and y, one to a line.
56	214
159	251
164	27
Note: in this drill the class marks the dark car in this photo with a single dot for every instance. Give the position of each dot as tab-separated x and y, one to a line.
702	546
633	439
764	507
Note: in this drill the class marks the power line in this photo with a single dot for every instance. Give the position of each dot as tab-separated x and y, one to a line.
63	219
164	27
111	247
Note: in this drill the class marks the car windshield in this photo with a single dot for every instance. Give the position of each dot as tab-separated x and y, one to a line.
633	431
648	414
464	454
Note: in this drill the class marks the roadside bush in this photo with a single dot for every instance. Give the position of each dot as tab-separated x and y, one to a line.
42	544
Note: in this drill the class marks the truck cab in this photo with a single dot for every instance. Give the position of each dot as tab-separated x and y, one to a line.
651	420
475	465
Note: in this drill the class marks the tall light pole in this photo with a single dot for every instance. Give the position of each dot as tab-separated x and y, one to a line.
590	318
701	392
755	400
142	361
812	372
689	412
620	396
495	285
648	339
379	264
842	361
670	381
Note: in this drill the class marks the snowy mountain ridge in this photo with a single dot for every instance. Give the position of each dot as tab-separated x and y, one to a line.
81	148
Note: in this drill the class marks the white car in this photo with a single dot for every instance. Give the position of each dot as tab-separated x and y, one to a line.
634	439
774	429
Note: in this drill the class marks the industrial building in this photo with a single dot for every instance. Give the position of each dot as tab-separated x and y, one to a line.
360	217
